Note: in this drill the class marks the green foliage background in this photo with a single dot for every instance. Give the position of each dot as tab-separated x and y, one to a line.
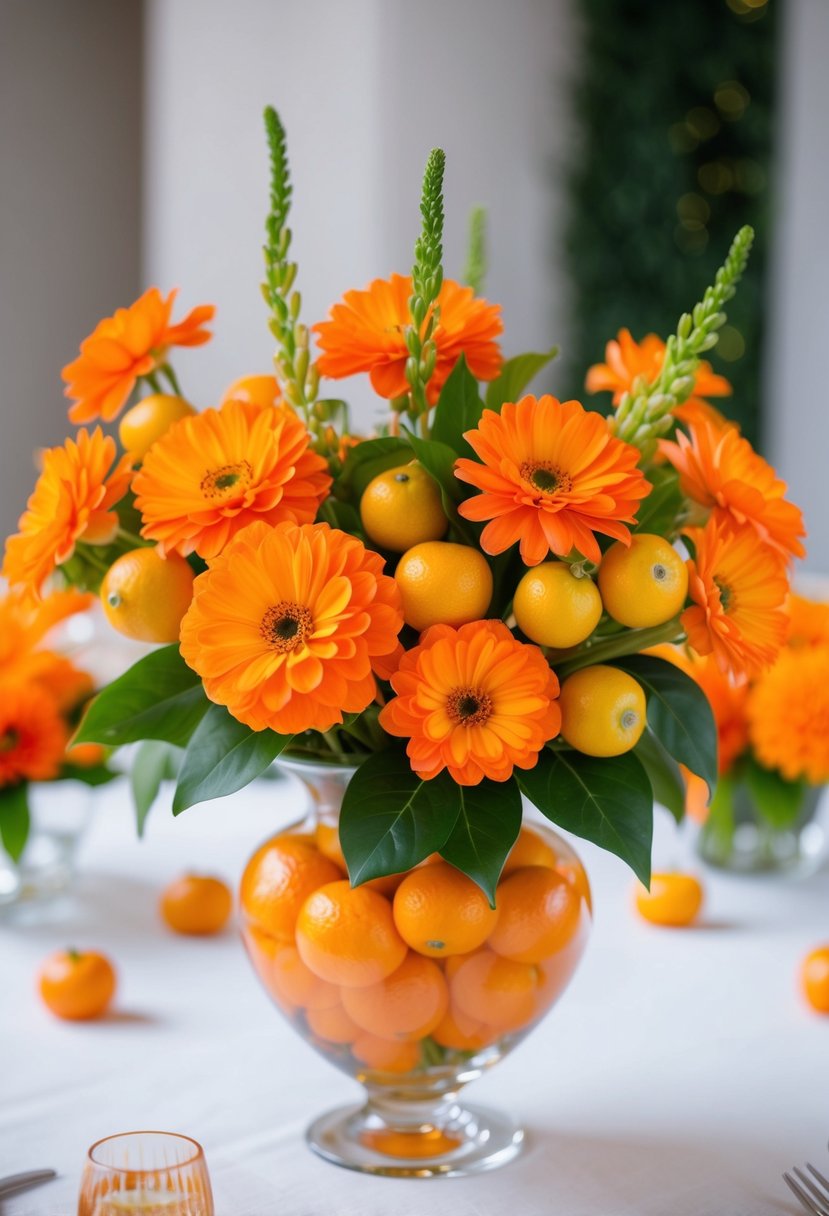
673	131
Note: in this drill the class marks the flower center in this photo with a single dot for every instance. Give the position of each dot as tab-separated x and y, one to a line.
286	626
726	594
224	481
9	740
469	706
543	475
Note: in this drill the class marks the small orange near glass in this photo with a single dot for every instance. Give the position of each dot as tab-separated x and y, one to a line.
674	899
814	978
77	985
196	905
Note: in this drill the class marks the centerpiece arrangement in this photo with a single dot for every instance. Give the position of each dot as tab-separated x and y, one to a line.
434	627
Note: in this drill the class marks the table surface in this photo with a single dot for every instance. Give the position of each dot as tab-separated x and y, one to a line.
680	1073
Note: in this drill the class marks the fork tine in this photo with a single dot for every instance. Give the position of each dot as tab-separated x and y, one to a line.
821	1198
802	1197
817	1174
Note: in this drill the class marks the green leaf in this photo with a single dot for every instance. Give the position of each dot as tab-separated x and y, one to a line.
516	375
93	774
341	515
160	697
678	714
459	409
663	774
222	757
14	819
608	801
439	462
152	763
664	506
391	819
776	800
485	831
366	460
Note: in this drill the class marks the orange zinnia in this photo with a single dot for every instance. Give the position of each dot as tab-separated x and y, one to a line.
365	333
286	624
788	714
552	475
738	588
33	735
124	347
473	700
72	501
721	470
23	624
213	473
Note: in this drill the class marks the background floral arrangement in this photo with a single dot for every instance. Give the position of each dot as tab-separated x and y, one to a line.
494	639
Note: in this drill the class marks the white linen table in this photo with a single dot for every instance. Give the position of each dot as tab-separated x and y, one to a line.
679	1075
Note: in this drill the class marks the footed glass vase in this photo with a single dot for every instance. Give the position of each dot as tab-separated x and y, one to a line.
411	984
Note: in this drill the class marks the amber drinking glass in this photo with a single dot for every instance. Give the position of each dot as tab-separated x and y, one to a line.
146	1173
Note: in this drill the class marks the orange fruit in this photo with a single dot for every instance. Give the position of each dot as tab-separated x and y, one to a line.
530	849
643	584
496	990
815	979
407	1004
145	595
196	904
402	507
576	875
603	711
279	877
461	1033
346	935
262	949
297	984
147	421
332	1025
539	914
443	584
555	607
384	1055
674	899
438	911
259	390
77	984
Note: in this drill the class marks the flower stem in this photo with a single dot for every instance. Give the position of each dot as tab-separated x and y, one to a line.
167	370
632	641
136	541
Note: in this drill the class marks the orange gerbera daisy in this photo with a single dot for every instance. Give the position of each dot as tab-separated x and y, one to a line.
33	735
213	473
124	347
23	624
788	714
552	475
739	588
473	700
721	470
286	624
808	622
72	501
365	334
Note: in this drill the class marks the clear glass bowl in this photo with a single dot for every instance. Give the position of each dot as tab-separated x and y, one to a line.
60	812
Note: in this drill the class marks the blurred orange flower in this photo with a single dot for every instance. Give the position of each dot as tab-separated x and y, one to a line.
719	469
33	735
72	501
215	472
365	333
287	623
808	622
24	622
473	700
86	755
788	713
122	348
738	588
551	476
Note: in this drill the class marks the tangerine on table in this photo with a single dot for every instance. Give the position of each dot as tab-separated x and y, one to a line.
145	595
643	584
443	584
147	421
346	935
530	849
196	905
540	914
259	390
279	877
407	1004
438	911
554	606
77	984
385	1055
332	1025
815	979
603	711
496	990
674	899
402	507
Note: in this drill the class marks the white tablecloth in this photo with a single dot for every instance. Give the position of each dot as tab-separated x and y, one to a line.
679	1075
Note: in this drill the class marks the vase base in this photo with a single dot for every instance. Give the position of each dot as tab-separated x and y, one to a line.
467	1140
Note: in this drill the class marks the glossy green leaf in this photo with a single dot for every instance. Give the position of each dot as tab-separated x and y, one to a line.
340	515
391	819
153	763
439	462
159	697
485	831
366	460
663	773
776	800
459	409
663	507
516	375
14	819
608	801
222	757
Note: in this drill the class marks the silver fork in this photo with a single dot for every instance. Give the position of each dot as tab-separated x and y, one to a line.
813	1192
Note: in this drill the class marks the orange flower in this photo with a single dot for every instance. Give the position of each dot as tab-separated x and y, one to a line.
473	700
215	472
808	622
365	334
287	623
33	735
23	624
719	469
726	696
124	347
739	588
552	475
72	501
788	714
86	755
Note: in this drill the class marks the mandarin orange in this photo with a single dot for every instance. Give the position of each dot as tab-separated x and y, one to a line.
461	1033
259	390
278	879
147	421
145	595
297	984
407	1005
402	507
496	990
539	914
346	935
332	1025
438	911
385	1055
196	905
77	984
674	899
443	584
530	849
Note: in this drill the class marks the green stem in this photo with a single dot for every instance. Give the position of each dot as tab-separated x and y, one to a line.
137	542
88	554
631	642
167	370
153	381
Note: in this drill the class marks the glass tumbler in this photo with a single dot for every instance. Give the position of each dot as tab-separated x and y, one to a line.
151	1173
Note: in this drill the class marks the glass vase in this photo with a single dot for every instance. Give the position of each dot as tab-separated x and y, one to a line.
417	1028
743	840
59	815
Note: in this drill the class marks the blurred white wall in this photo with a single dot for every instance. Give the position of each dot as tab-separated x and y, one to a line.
365	89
